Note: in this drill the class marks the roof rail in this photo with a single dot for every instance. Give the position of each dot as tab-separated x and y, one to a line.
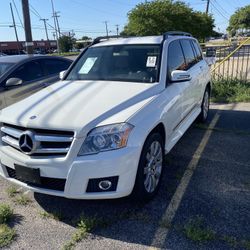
100	38
176	33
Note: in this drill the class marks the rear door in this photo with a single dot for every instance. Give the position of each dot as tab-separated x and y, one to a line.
204	70
190	88
32	75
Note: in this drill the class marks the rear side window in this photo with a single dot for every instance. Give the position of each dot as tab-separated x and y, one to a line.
197	51
55	66
176	59
188	53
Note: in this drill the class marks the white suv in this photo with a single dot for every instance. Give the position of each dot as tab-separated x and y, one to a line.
103	130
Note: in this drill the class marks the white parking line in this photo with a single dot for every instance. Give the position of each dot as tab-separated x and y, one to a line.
167	218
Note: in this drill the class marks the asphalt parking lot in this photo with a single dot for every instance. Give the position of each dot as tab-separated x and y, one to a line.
203	202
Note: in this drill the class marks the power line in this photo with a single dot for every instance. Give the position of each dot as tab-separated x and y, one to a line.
20	20
14	26
222	8
218	11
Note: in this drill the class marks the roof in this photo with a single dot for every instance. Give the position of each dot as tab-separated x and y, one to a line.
139	40
132	40
19	58
15	58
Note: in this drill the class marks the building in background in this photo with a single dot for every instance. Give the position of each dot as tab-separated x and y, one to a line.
13	48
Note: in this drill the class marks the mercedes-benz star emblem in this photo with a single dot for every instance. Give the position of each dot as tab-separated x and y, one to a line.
27	142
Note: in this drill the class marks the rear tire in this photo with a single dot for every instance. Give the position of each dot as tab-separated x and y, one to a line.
149	171
204	107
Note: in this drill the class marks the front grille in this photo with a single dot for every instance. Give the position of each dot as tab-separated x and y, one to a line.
48	142
46	183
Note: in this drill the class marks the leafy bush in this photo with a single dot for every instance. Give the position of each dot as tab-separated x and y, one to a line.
6	212
231	90
7	234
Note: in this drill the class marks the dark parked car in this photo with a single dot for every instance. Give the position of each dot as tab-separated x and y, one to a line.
23	75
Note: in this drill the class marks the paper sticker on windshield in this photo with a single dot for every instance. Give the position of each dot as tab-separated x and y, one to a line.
151	61
87	66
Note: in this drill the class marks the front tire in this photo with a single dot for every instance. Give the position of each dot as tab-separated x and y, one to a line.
149	171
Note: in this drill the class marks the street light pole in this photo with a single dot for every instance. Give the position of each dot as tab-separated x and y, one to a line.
117	29
106	26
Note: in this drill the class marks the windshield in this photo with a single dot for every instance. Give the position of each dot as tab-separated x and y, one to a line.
135	63
4	67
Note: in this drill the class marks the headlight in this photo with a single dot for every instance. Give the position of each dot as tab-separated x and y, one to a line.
106	138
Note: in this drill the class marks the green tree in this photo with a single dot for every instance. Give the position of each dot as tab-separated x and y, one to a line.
239	20
66	43
159	16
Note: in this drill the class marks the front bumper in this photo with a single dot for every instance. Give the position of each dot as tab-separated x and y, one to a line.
77	172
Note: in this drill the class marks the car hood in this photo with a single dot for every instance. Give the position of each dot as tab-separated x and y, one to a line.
80	105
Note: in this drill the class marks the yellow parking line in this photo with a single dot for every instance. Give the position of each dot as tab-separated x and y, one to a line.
167	218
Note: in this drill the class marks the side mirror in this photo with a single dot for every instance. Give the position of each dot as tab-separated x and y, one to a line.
61	74
180	75
13	82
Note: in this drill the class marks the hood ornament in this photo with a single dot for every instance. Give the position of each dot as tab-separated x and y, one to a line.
33	117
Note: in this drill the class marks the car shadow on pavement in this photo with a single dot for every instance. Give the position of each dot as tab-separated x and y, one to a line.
131	221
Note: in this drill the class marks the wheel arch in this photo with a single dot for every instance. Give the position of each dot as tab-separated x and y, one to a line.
159	128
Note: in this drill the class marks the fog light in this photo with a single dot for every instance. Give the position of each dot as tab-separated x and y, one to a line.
105	185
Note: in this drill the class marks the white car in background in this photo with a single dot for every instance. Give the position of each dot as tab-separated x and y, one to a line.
102	131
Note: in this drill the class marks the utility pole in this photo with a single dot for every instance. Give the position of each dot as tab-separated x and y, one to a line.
117	29
27	26
207	8
56	17
53	15
14	26
54	35
106	26
45	27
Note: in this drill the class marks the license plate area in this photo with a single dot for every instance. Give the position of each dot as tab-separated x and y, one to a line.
28	175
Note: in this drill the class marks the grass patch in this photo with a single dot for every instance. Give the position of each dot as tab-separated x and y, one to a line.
84	226
7	235
6	212
231	90
23	200
196	231
66	54
54	215
12	191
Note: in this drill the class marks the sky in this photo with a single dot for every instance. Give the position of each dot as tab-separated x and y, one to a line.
87	17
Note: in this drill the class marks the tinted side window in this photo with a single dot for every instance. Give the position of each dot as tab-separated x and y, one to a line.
175	57
198	51
28	71
54	66
188	53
